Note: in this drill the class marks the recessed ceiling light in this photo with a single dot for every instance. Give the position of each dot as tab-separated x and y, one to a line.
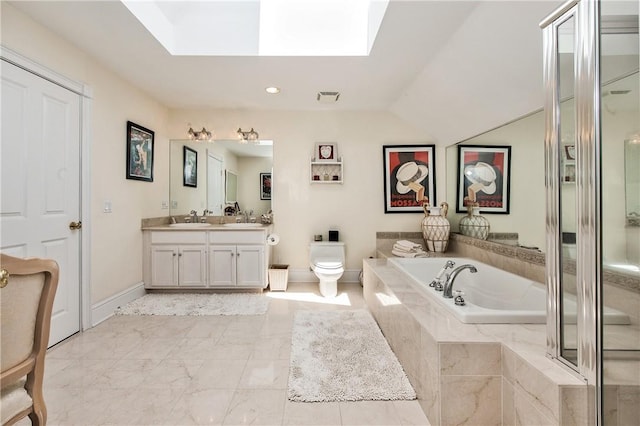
273	90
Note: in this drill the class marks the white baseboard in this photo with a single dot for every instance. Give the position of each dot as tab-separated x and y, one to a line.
307	276
104	310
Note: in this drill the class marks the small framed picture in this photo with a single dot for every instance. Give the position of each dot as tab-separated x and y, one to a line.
570	152
265	186
139	152
190	167
326	151
484	178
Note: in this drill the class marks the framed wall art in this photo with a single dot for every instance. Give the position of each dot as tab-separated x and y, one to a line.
265	186
326	151
409	178
139	152
190	167
484	178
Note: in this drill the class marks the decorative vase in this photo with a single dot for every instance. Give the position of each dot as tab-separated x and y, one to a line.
436	227
474	224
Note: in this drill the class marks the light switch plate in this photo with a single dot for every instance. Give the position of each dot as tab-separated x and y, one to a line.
107	207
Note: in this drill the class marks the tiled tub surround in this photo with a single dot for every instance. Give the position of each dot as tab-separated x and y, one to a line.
622	399
475	374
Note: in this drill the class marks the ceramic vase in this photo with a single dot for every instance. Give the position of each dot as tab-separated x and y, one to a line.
474	224
436	227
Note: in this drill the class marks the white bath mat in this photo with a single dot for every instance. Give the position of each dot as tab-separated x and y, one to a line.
343	356
196	304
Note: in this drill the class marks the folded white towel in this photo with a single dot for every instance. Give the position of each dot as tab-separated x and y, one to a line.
407	250
402	248
408	244
408	254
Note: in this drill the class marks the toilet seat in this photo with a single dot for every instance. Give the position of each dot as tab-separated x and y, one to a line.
328	264
328	267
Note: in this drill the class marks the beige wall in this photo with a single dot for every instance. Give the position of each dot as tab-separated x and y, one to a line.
116	240
303	209
356	208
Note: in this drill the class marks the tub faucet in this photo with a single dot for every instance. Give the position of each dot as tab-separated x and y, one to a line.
437	281
448	285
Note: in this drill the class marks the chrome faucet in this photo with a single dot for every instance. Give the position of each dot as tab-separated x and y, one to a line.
437	281
448	285
194	216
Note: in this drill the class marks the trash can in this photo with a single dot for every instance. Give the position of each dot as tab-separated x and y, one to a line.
278	277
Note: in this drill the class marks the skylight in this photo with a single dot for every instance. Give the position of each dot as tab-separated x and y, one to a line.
262	27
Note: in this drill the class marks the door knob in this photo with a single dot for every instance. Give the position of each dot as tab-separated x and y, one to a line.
4	278
75	225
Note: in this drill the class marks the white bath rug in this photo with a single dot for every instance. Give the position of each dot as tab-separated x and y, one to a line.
343	356
196	304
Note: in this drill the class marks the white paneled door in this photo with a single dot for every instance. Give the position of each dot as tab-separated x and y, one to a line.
215	188
40	198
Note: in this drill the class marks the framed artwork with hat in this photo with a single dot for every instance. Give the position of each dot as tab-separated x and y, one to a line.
484	178
409	178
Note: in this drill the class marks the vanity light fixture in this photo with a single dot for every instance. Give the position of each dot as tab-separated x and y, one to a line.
202	135
272	90
245	137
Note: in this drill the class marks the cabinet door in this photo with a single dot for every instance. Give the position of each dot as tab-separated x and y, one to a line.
250	266
192	266
164	266
222	266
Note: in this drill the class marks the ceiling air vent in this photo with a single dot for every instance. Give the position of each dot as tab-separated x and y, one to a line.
328	97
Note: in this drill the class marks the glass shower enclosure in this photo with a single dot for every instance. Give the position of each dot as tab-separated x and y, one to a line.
592	140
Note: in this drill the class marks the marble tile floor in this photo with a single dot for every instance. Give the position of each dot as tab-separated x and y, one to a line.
216	370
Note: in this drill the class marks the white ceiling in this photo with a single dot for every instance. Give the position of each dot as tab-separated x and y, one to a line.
410	34
451	68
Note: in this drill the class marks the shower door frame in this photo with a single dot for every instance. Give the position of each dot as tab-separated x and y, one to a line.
588	196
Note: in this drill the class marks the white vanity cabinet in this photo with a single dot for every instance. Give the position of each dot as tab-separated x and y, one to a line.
176	260
212	258
237	259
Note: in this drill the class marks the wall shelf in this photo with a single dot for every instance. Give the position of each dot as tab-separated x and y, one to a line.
326	172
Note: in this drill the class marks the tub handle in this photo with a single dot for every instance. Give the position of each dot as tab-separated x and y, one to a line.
459	300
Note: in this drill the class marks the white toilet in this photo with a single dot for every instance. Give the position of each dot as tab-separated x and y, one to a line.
327	262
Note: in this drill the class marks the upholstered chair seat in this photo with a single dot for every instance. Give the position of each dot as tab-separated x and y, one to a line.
27	290
15	399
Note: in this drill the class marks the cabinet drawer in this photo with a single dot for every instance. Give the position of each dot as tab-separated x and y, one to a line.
179	237
237	237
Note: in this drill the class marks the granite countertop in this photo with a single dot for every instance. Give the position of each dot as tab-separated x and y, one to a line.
204	227
214	223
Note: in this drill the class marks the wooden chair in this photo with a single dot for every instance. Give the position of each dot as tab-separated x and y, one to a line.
27	290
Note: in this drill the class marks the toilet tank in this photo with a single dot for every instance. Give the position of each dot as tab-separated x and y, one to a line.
330	250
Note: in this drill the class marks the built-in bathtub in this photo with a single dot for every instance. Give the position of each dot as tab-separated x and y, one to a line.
492	296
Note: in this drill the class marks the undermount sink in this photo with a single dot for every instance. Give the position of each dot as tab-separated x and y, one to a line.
190	225
243	225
